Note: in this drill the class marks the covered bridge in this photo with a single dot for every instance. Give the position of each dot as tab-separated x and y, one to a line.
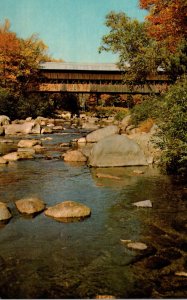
93	78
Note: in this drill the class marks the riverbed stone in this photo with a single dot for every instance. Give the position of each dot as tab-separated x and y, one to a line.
101	133
68	211
116	151
144	203
3	161
46	130
13	156
28	143
2	131
4	120
74	155
137	246
4	212
30	205
25	128
26	153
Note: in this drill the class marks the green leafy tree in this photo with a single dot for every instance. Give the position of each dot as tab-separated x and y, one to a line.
139	55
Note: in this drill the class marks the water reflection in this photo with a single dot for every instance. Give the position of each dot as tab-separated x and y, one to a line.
42	258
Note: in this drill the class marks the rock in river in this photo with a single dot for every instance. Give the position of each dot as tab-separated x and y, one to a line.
28	143
116	151
101	133
30	206
68	211
74	155
4	212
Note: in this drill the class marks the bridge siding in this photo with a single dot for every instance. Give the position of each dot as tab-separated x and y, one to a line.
94	80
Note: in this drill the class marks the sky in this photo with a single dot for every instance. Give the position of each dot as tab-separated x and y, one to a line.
72	29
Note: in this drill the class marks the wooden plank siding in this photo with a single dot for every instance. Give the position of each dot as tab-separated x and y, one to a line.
94	78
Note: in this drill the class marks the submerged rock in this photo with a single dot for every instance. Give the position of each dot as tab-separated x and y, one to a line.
4	212
144	203
67	211
137	245
157	262
30	206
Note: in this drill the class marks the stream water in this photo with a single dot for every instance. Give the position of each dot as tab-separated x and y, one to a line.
44	258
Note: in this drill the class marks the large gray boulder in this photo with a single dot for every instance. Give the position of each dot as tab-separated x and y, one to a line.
4	212
116	151
101	133
67	211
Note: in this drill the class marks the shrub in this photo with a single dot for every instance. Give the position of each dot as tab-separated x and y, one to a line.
149	108
107	111
173	125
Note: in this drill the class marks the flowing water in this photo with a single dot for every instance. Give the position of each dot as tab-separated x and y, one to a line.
44	258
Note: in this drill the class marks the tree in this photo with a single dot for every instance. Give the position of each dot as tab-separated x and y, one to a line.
167	21
19	59
138	53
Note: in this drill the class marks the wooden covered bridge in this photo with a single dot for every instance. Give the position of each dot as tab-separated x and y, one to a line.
105	78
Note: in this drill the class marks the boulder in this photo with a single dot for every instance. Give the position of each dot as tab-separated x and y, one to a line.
25	128
46	130
13	156
125	123
116	151
4	120
3	161
101	133
68	210
36	129
74	155
26	153
28	143
89	126
4	212
2	131
145	141
30	205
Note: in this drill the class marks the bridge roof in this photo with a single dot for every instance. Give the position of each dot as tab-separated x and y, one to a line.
79	66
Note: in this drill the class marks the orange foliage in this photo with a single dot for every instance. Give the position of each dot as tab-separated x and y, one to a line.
167	20
146	125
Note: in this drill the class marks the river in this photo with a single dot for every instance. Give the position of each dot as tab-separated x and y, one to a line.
44	258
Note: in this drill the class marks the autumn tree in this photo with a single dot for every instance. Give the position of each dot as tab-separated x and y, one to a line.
167	24
167	20
19	59
19	66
